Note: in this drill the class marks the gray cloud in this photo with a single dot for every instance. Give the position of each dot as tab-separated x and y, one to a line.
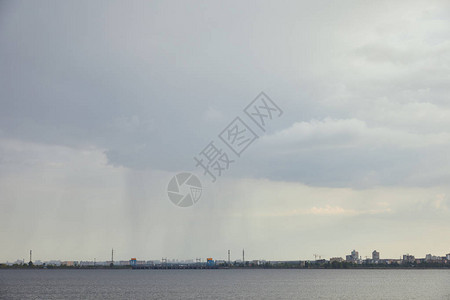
137	81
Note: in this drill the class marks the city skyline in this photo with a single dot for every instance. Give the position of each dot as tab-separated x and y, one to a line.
353	256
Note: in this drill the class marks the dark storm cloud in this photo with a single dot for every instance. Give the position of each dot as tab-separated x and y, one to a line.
140	81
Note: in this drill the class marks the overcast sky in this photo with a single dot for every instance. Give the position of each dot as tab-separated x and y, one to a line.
103	102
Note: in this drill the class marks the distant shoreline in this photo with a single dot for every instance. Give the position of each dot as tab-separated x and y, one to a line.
6	267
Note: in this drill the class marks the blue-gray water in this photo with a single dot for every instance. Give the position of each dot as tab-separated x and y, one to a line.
225	284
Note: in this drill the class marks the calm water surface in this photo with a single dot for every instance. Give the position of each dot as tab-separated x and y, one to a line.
224	284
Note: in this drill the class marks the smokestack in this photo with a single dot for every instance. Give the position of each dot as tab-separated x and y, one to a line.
229	257
243	257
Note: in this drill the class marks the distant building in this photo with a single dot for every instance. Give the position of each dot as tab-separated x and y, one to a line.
188	261
420	260
54	263
68	263
210	262
253	262
408	258
134	262
124	263
220	262
375	255
448	256
337	259
38	263
320	261
433	258
353	257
